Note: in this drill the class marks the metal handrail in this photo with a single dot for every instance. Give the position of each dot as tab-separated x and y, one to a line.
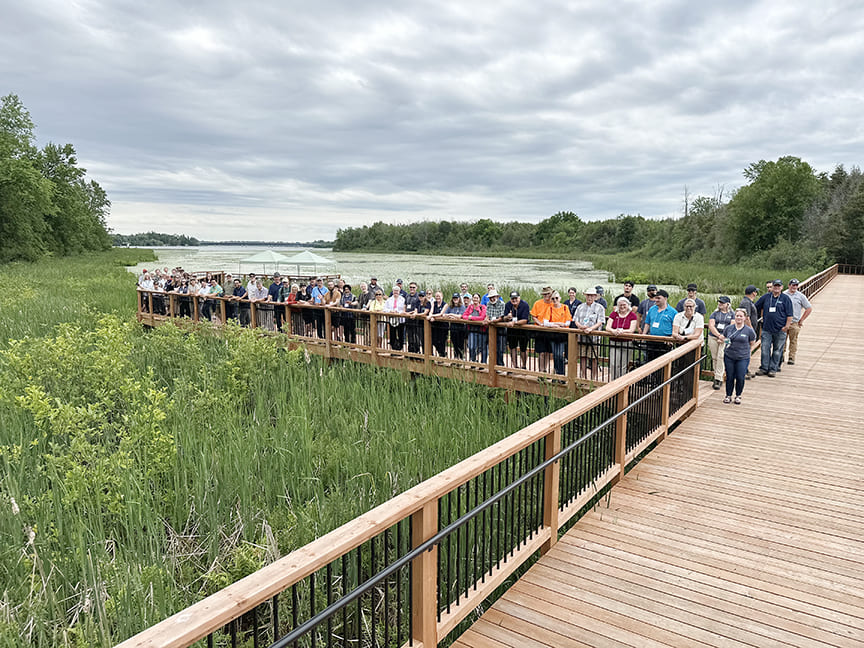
427	545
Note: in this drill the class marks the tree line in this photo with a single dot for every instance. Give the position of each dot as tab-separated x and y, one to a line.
47	204
153	239
787	215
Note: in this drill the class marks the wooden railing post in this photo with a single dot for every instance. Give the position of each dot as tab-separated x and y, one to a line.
150	303
696	372
373	335
171	309
664	416
424	577
222	310
621	402
427	346
140	304
551	479
492	343
572	356
196	307
253	317
328	333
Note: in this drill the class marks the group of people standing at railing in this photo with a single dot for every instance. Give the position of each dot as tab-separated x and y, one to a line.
465	317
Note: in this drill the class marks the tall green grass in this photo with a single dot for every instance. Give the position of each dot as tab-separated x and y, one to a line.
143	470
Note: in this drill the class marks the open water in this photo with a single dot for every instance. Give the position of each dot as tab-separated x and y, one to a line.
427	270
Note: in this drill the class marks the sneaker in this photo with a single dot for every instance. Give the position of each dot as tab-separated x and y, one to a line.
771	374
791	362
737	400
717	384
761	372
727	400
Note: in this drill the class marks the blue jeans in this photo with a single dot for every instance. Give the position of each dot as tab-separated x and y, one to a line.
478	344
558	347
772	350
736	372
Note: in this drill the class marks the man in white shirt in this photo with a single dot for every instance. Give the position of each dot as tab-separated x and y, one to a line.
396	304
801	309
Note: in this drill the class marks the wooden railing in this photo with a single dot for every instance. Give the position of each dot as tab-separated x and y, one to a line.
558	361
410	570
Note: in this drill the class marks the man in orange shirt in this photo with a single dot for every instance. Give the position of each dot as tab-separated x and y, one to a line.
541	314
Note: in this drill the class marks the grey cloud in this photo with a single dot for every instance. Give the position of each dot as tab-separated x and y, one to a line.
359	111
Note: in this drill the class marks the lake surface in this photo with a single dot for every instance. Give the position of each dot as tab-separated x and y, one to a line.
428	271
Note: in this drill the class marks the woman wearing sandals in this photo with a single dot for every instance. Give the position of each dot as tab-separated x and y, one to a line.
740	339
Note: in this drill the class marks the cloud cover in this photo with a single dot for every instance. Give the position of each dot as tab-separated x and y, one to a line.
287	120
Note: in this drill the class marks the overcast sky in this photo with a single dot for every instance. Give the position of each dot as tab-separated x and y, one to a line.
287	120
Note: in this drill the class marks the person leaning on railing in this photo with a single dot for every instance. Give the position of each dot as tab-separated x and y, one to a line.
589	316
622	320
658	321
478	340
689	324
494	313
517	312
559	317
240	299
377	305
349	325
439	329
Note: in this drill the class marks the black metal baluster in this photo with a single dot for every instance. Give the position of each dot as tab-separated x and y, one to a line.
344	572
458	556
233	633
440	560
359	598
387	589
294	608
399	553
475	523
210	640
512	499
314	632
486	539
255	627
372	570
408	593
329	603
449	517
275	617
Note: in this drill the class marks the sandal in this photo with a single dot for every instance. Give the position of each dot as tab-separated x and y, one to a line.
737	400
727	400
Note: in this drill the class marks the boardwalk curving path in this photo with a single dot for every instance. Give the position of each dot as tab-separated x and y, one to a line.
744	528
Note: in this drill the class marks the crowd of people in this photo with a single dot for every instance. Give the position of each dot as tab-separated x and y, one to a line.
464	318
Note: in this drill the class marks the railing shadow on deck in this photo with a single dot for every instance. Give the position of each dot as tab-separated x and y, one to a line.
410	570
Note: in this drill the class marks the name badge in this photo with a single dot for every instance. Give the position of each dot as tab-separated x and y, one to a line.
772	309
656	324
720	327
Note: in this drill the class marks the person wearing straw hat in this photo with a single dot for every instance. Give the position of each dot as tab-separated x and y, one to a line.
589	316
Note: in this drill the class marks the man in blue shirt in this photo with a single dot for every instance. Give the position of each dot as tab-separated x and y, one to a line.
777	311
658	321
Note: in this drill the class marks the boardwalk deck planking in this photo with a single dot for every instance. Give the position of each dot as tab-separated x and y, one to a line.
743	528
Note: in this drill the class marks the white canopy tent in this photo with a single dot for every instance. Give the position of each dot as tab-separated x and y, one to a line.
307	258
265	257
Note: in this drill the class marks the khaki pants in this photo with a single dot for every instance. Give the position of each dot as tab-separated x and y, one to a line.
718	350
794	330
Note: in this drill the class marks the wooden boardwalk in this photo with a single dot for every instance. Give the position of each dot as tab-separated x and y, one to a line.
744	528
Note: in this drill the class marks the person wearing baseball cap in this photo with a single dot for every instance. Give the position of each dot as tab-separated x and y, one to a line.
801	309
691	294
659	322
720	320
646	304
777	312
